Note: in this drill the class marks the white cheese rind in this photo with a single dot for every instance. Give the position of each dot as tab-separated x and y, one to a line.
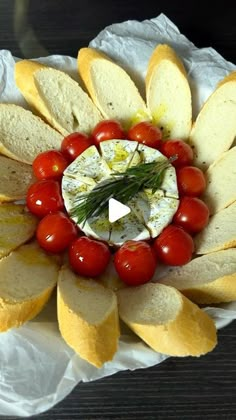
150	213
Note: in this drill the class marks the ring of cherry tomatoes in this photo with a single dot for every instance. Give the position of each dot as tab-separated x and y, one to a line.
135	261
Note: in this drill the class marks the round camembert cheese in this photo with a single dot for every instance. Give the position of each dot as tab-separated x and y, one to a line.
150	213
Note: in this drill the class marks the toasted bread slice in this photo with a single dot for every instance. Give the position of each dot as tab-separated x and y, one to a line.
168	93
57	97
166	320
221	180
209	279
220	233
17	226
15	179
215	127
23	135
111	88
88	317
27	279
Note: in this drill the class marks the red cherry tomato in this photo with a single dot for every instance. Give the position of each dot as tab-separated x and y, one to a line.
107	130
73	145
174	246
146	133
135	262
49	165
89	257
44	197
178	147
191	181
55	232
192	214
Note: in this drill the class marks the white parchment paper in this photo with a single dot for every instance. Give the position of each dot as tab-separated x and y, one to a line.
37	368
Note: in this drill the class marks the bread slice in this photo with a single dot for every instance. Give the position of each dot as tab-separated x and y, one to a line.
87	317
23	135
111	88
215	127
57	97
221	180
17	226
220	233
168	93
27	279
15	179
166	320
208	279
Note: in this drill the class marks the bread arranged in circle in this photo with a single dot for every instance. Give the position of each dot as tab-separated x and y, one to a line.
221	180
214	130
207	279
168	93
17	226
88	317
15	179
219	233
57	97
111	88
166	320
27	278
163	313
23	135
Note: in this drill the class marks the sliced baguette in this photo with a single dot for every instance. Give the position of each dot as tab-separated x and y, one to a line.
111	88
221	181
166	320
215	127
88	317
15	179
208	279
168	93
57	97
23	135
27	279
16	227
220	233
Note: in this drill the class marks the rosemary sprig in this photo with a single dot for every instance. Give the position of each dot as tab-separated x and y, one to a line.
123	186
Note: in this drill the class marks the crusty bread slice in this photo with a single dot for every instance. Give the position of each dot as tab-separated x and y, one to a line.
15	179
57	97
17	226
88	317
209	279
215	127
166	320
220	233
168	93
111	88
27	279
23	135
221	181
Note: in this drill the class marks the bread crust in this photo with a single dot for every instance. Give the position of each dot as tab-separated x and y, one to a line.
191	333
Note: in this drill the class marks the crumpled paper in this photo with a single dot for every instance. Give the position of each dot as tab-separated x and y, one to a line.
37	368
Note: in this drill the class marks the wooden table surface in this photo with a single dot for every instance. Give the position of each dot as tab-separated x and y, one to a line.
188	388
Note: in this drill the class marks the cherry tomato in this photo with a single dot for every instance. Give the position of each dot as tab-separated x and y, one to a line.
135	262
44	197
192	214
178	147
89	257
73	145
107	130
55	232
146	133
174	246
191	181
49	165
